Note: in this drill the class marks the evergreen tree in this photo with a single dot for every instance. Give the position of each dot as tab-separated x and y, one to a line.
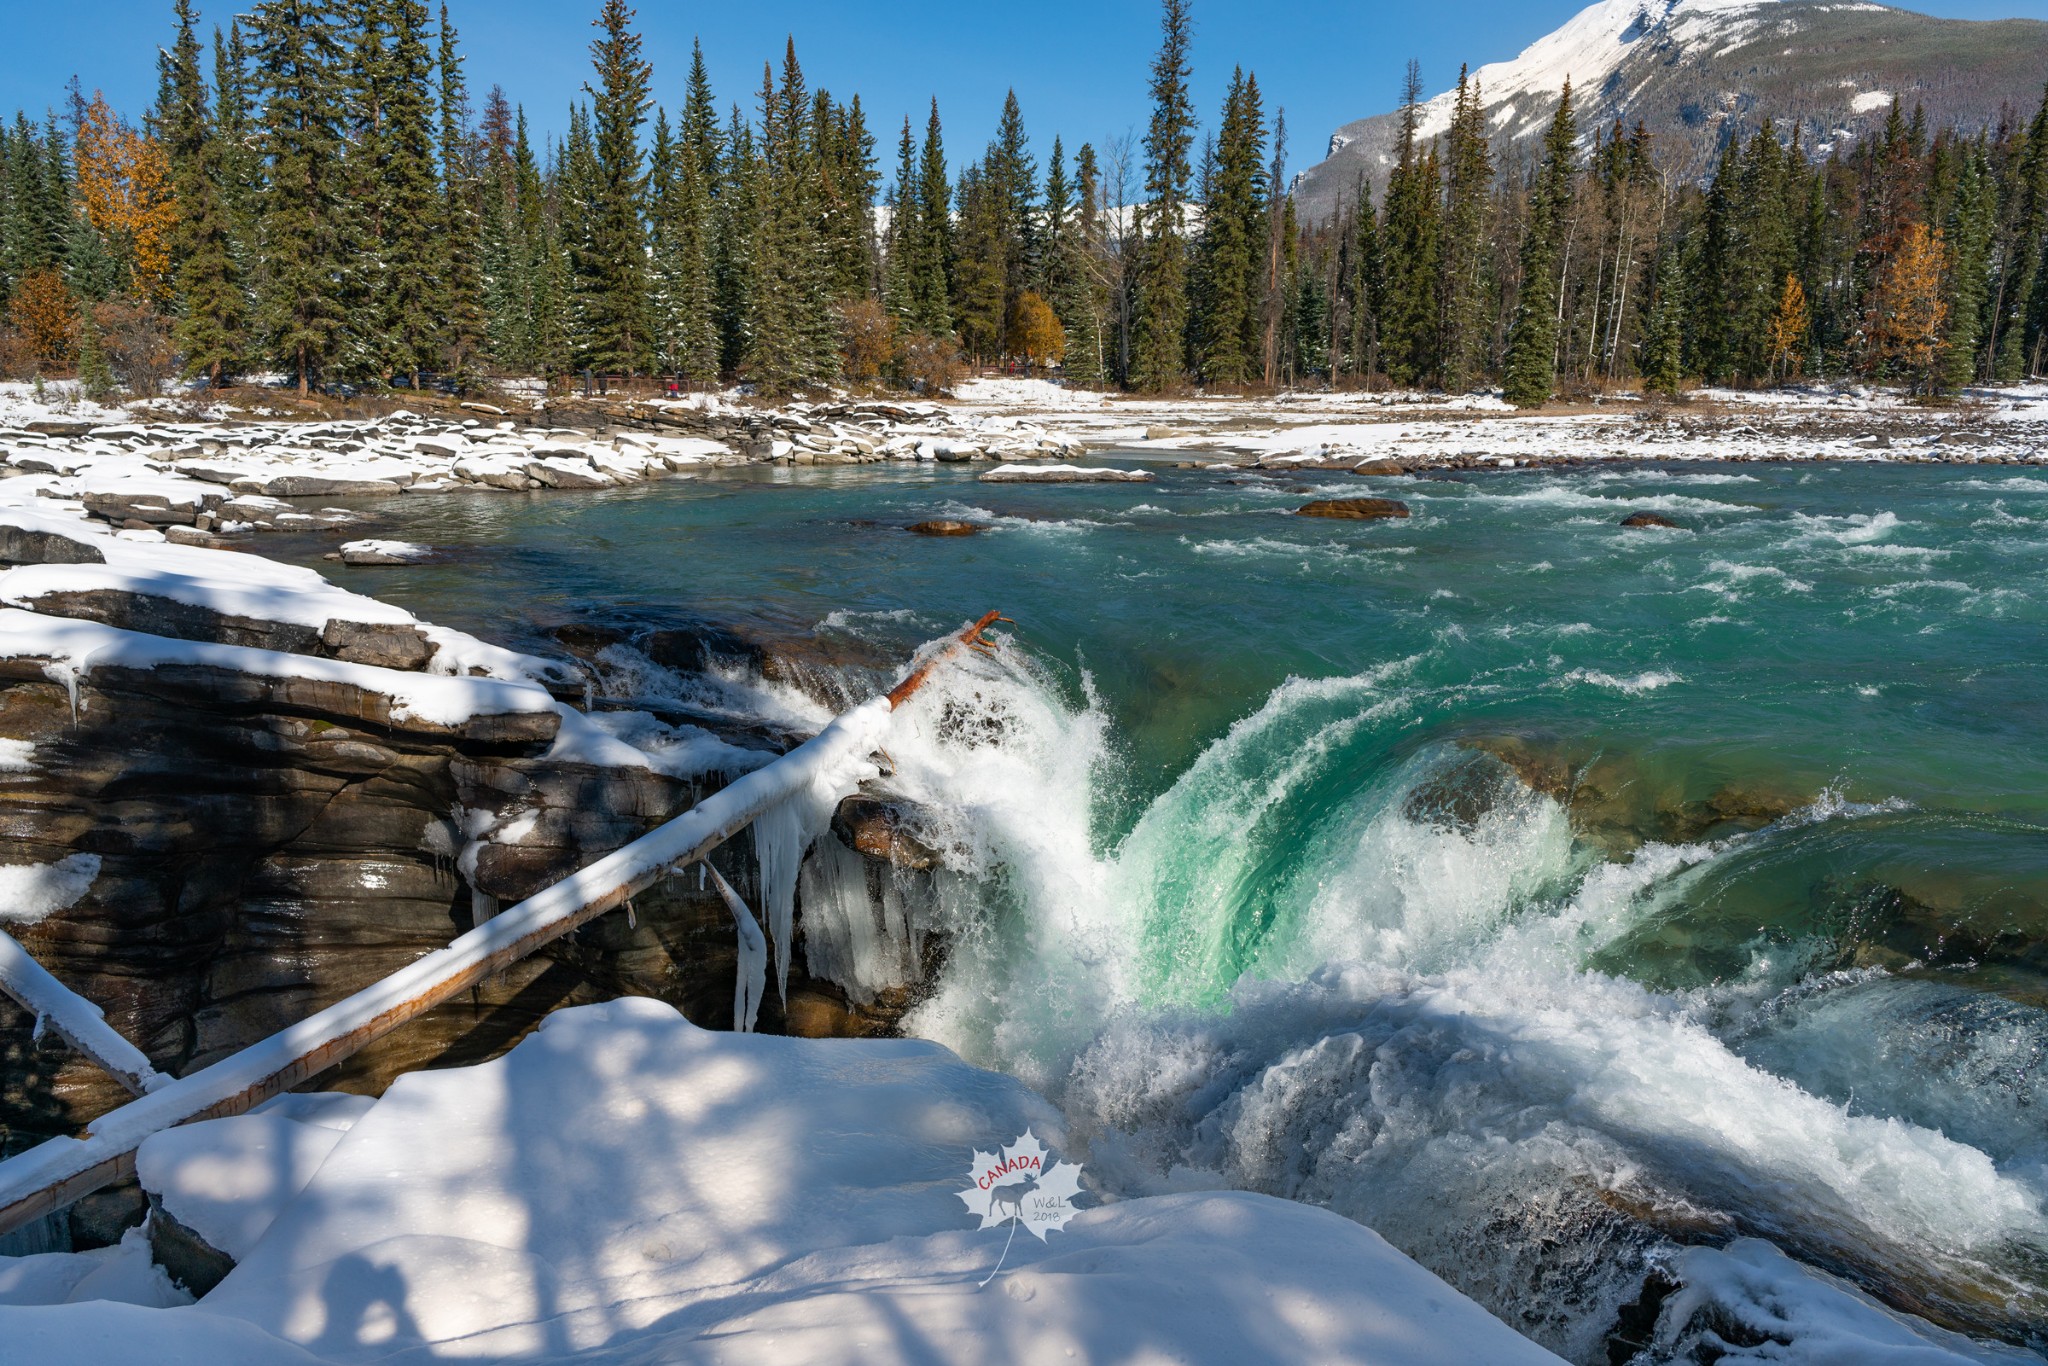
1231	256
898	293
736	225
792	335
414	244
211	320
978	267
931	270
1079	301
614	265
1162	303
1663	335
689	255
1361	279
298	58
1410	239
1461	349
1969	239
461	288
1531	370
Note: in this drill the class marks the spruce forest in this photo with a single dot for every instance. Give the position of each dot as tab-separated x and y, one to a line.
316	193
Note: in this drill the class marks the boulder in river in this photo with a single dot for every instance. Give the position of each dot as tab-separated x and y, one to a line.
1382	467
1650	519
943	526
1354	509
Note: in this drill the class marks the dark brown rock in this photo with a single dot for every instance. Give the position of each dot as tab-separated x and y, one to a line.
1381	467
886	830
945	527
21	545
1650	519
1354	509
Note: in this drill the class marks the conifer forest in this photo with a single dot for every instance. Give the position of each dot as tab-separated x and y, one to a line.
321	191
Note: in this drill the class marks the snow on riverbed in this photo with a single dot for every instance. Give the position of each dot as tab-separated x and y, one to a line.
626	1187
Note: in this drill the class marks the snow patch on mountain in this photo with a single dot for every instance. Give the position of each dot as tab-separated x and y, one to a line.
1595	42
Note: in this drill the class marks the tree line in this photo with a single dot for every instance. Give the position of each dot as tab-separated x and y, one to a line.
314	193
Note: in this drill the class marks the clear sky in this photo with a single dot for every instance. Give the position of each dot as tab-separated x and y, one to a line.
1078	66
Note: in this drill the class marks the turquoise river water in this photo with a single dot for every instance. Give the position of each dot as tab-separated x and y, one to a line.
1544	894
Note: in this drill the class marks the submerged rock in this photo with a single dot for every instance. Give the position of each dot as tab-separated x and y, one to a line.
1650	519
946	527
1354	509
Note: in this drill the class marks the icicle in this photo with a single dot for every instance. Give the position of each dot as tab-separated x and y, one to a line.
35	1037
750	983
632	921
700	876
782	835
849	939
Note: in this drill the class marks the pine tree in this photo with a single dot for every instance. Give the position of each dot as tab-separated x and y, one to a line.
978	263
297	57
736	224
1969	236
792	335
211	320
1012	181
1079	302
1461	348
1531	371
691	275
1162	303
1231	255
898	295
240	171
1279	213
461	289
1663	355
931	286
413	240
1410	239
614	267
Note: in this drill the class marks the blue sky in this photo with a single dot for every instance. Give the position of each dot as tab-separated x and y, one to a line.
1078	68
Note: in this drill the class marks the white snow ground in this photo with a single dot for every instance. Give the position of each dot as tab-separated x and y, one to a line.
624	1187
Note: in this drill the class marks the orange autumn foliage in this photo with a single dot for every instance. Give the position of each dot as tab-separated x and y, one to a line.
124	187
1907	310
44	316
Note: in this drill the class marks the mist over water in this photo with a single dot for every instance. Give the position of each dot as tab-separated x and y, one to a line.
1550	896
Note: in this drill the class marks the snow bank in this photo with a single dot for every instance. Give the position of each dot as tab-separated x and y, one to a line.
33	892
228	1179
1063	474
74	648
236	584
625	1187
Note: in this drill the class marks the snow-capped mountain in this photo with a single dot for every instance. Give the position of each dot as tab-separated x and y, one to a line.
1697	71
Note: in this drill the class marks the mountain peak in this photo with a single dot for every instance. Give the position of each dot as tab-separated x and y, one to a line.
1697	72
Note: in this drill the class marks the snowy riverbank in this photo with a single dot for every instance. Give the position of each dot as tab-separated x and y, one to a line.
626	1187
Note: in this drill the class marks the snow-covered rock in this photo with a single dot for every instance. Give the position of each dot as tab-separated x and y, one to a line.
625	1187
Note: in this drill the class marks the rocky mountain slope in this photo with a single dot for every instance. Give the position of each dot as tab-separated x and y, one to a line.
1699	71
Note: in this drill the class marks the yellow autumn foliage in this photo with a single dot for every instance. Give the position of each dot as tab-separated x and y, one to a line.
124	188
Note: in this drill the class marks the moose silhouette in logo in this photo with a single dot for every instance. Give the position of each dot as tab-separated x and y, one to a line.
1009	1199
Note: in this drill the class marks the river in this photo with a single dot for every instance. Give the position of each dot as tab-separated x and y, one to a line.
1542	893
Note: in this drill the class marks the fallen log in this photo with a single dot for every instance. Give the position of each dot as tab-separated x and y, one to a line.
77	1021
54	1174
